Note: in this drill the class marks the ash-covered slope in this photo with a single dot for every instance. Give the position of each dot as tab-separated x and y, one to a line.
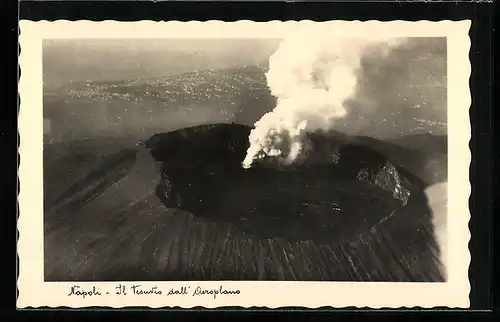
186	209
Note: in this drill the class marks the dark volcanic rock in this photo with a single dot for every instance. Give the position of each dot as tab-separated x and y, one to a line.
341	190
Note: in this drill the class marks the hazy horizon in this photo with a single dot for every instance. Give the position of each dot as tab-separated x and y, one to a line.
403	93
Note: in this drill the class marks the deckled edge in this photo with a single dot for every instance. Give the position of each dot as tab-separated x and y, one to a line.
469	162
18	160
211	23
20	163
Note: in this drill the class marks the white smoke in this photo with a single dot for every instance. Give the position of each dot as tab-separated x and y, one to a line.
312	76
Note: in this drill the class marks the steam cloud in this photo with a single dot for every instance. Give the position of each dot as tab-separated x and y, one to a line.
311	76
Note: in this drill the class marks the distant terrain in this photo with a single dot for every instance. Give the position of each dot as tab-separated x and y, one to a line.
404	93
145	106
76	60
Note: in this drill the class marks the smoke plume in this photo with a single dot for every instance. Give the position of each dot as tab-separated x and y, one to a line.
312	76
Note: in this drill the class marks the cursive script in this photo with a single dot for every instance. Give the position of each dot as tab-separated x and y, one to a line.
200	291
180	291
78	291
138	290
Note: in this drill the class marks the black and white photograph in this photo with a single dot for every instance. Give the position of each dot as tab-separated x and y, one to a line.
306	157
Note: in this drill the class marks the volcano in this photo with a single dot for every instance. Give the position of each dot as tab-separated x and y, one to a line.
180	206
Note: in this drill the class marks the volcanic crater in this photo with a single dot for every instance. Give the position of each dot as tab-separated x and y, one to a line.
342	193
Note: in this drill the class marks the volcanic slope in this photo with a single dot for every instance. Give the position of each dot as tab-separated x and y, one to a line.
180	207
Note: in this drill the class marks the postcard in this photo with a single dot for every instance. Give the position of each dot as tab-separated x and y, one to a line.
245	164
